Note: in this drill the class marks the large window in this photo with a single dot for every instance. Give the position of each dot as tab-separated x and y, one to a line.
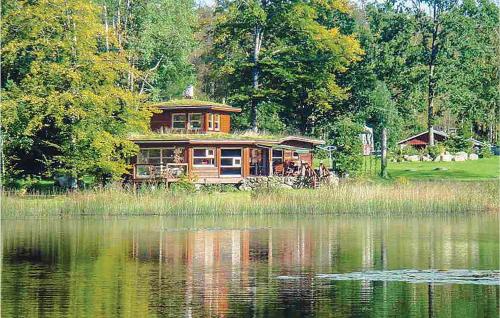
195	121
152	161
277	156
204	157
179	121
230	162
160	156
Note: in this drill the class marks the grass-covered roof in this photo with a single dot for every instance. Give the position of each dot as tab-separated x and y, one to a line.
195	103
244	136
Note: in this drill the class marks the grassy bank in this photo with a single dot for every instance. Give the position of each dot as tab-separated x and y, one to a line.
408	199
471	170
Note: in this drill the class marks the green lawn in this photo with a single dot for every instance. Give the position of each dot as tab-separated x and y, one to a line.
482	169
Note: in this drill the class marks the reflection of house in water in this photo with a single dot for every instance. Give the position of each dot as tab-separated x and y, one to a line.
213	270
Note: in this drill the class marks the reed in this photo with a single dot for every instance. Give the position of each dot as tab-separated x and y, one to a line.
350	198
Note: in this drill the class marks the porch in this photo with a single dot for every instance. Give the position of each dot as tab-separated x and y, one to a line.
208	164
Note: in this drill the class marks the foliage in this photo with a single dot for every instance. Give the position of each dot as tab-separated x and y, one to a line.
457	40
158	38
65	109
344	135
350	198
485	152
303	50
458	143
184	184
436	150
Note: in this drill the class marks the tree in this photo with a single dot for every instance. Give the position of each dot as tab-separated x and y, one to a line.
283	53
67	107
158	38
344	134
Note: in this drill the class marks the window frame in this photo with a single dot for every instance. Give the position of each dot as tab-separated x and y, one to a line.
212	157
161	157
178	121
216	121
189	121
233	164
210	125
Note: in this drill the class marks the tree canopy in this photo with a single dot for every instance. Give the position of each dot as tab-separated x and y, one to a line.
78	76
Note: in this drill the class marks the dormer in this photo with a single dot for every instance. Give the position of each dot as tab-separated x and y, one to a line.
192	116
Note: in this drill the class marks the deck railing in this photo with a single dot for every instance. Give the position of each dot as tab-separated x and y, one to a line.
165	171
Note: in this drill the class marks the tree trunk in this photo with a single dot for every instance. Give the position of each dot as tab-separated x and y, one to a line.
106	27
258	34
432	80
383	167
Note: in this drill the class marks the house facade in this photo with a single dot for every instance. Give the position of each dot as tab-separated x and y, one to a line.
193	138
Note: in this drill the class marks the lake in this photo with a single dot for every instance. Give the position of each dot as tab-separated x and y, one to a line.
251	266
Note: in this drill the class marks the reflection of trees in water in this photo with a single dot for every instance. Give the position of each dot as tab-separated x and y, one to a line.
99	266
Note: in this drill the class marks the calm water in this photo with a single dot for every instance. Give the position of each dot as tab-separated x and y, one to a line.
264	266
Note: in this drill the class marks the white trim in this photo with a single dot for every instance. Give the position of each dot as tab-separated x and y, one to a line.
240	165
155	148
216	121
189	121
210	124
185	120
213	157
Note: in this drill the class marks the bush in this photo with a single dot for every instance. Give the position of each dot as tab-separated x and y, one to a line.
485	152
184	184
344	135
458	143
436	150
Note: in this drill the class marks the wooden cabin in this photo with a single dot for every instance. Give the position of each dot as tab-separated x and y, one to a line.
421	140
191	137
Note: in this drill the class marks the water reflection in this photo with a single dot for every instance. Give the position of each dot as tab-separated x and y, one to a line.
231	266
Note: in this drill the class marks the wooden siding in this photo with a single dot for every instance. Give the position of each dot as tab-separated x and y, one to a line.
164	119
245	162
225	123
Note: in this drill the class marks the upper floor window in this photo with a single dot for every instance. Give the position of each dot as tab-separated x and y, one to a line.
195	121
179	121
210	121
216	122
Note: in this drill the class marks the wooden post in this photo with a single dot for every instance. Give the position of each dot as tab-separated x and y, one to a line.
270	151
383	167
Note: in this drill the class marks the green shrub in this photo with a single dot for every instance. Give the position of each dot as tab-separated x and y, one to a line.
185	184
436	150
485	152
458	143
344	135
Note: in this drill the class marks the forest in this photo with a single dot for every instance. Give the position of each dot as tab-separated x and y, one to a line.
78	76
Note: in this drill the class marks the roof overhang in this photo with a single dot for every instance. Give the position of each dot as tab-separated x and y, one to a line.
436	132
228	109
283	147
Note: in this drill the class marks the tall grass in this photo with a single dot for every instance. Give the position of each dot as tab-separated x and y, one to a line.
415	198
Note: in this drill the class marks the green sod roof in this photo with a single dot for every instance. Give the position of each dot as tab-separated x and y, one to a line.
247	136
195	103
